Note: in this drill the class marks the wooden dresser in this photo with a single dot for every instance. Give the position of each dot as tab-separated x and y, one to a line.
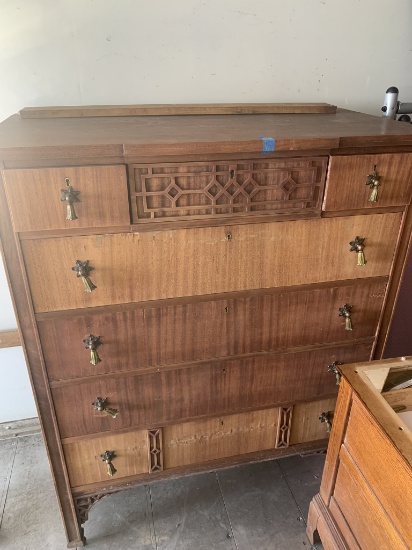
365	499
191	313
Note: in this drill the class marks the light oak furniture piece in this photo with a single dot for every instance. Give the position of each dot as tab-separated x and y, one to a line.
365	499
186	286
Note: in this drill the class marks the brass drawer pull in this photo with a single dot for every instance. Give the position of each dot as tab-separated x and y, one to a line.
107	457
333	367
358	246
101	404
345	311
69	195
82	270
326	417
91	343
373	182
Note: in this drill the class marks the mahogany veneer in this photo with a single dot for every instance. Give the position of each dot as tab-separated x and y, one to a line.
221	288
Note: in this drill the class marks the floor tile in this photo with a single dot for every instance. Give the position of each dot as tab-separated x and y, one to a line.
261	508
31	519
189	514
122	521
303	474
7	454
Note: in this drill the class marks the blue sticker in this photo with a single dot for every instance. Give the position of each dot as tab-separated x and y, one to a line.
268	145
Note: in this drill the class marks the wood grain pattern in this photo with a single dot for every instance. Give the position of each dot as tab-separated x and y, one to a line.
207	260
9	338
179	334
137	137
368	521
306	425
200	441
34	197
344	528
347	189
340	420
176	109
383	468
85	465
221	387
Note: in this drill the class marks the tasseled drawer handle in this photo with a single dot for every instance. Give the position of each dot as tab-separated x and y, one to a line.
70	196
333	367
373	182
82	270
345	311
101	404
107	457
91	343
326	417
358	246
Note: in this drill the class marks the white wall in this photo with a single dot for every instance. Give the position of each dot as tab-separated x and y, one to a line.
79	52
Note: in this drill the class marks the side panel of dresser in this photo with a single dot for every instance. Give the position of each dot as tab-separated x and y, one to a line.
31	345
361	503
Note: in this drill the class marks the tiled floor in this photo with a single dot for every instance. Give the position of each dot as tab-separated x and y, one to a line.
254	507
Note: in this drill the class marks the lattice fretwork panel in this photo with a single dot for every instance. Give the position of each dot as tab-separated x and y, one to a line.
155	446
284	426
204	190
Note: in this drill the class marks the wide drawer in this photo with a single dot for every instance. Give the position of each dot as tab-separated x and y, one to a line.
220	387
144	337
34	197
346	184
226	189
188	262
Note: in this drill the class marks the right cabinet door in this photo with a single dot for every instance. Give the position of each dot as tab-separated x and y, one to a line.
368	181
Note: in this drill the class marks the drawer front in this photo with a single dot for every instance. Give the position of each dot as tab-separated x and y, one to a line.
221	387
198	190
382	466
155	265
306	425
221	437
363	513
34	197
346	185
85	465
151	337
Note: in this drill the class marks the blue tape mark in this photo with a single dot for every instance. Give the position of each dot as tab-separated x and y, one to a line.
268	145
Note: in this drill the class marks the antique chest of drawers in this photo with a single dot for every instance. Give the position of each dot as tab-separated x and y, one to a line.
186	288
365	499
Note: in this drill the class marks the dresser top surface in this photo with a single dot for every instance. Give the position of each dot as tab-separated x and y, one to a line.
193	134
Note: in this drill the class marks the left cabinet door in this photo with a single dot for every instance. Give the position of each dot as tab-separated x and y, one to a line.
98	195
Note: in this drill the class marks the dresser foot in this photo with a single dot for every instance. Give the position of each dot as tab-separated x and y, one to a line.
78	543
312	524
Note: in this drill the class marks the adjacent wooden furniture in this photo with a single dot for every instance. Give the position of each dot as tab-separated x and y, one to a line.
186	285
365	496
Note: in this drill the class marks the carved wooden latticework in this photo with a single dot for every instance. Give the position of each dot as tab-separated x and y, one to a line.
284	426
83	505
232	188
155	442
